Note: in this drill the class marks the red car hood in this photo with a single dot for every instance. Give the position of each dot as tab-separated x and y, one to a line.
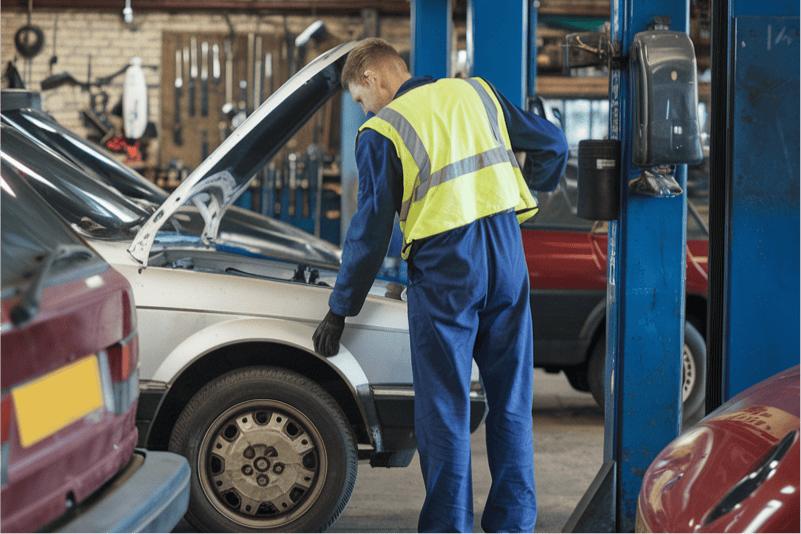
683	488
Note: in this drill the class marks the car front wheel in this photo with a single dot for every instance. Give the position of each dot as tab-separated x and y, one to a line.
270	451
693	373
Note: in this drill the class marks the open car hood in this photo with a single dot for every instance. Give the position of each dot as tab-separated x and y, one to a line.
219	180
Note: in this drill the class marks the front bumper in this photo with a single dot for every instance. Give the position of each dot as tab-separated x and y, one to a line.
150	494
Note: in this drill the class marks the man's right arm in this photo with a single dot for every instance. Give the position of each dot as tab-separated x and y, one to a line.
370	229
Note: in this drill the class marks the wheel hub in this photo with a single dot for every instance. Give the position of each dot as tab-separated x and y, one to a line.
262	464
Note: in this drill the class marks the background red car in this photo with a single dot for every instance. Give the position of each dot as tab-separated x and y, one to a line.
566	258
70	386
737	470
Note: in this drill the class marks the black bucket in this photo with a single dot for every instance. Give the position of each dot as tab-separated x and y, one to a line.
599	179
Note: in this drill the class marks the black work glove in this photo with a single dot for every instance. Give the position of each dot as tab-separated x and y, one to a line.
326	337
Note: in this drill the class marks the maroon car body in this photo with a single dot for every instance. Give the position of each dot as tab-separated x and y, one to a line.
737	470
70	385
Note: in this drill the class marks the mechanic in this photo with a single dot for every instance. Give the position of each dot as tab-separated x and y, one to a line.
440	154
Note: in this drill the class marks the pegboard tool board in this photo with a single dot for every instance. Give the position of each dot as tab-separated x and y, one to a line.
210	81
241	71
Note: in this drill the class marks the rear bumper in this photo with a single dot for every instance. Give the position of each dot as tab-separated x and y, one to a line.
150	494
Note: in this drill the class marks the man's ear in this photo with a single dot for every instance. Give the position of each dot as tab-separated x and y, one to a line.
370	77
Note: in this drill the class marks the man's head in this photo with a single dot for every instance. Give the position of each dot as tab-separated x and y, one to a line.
373	73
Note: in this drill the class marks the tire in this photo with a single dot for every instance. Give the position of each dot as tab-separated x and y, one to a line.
693	373
577	377
596	367
269	451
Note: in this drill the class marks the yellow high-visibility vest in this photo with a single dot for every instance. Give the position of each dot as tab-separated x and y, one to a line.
458	164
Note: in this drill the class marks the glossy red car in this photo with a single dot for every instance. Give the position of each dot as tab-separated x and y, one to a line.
566	258
70	386
737	470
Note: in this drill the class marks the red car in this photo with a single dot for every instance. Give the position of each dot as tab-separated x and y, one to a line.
737	470
566	258
70	386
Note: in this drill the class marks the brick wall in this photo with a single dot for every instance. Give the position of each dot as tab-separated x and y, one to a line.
109	43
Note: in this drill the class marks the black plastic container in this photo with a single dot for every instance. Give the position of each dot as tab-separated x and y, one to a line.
599	179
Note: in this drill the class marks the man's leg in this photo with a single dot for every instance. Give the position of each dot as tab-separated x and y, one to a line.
442	322
504	354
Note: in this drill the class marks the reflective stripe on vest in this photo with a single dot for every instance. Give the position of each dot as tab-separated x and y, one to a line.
494	151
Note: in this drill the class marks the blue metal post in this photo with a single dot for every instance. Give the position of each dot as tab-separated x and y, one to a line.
645	291
431	38
498	44
352	119
761	306
532	49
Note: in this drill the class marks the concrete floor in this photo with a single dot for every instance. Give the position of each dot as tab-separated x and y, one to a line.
568	441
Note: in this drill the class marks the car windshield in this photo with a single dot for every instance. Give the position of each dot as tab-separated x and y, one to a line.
88	205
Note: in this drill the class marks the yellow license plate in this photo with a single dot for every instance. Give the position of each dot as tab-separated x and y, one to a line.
57	399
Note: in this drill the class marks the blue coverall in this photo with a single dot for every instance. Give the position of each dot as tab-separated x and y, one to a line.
468	298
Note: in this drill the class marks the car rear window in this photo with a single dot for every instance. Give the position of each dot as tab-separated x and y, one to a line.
30	231
84	202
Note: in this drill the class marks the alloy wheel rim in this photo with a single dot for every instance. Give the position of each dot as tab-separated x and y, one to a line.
262	464
688	374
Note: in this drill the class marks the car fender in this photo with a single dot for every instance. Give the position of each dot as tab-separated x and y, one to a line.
289	333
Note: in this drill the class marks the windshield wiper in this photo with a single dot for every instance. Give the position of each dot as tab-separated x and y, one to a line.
28	306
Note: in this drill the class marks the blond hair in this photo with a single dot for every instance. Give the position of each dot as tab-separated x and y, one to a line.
367	54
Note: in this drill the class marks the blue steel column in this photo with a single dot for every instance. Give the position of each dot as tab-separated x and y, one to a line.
498	31
645	291
431	38
532	48
761	329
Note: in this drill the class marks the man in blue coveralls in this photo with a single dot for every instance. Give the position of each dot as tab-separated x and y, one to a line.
440	153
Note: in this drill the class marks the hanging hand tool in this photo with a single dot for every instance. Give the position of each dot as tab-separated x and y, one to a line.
54	58
268	202
268	73
258	86
250	103
279	191
204	145
177	133
227	111
241	113
204	79
307	174
293	183
215	63
192	75
229	72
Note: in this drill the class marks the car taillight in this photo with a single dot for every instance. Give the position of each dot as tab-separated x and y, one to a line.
122	361
122	358
6	420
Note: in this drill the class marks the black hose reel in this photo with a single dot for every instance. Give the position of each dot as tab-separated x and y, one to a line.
29	41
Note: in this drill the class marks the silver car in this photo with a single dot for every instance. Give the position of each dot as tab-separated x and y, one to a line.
229	377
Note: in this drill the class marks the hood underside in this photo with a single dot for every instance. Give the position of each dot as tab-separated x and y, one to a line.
227	172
